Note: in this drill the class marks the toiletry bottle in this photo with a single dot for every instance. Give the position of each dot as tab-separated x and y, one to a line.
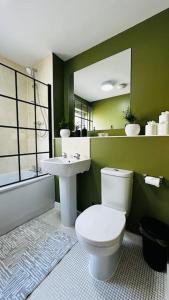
77	131
84	131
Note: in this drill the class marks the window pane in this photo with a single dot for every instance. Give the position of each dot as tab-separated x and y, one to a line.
8	145
42	117
78	122
84	124
90	125
41	94
25	88
43	141
90	116
8	170
7	82
78	104
28	166
78	110
84	111
26	115
7	112
78	113
27	141
40	158
83	115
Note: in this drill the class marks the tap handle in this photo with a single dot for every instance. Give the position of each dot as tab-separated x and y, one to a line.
64	154
77	155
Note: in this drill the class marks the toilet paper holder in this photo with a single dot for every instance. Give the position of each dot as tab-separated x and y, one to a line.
160	177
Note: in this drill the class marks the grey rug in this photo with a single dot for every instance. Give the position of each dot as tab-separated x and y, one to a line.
27	255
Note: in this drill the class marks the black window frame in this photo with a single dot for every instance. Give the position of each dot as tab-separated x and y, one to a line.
89	120
35	129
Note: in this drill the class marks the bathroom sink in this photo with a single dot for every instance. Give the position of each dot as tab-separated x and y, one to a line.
65	167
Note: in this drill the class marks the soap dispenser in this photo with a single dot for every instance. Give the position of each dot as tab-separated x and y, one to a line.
77	131
84	131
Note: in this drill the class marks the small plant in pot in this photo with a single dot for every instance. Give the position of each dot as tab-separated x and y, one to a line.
131	128
64	129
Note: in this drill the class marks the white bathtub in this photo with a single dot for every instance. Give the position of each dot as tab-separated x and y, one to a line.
23	201
8	178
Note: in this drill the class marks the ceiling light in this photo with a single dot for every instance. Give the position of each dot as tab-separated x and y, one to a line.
122	86
107	86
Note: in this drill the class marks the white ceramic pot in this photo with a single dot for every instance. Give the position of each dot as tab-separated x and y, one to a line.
64	133
132	129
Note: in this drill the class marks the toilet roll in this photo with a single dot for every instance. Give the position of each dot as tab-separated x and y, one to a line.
152	181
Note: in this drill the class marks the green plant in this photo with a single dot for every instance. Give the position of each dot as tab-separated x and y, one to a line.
63	124
128	116
92	133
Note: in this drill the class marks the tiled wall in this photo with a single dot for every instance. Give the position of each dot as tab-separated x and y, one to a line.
8	137
76	145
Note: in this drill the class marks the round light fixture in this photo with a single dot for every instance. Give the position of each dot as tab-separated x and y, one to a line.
107	86
122	86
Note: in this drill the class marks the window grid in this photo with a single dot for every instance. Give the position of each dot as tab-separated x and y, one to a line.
36	143
17	122
35	129
81	118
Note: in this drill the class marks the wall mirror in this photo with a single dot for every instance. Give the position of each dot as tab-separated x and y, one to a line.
102	93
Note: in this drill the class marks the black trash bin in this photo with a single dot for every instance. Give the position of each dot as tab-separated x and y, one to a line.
155	243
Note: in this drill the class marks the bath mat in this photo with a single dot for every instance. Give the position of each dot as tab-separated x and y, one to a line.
27	255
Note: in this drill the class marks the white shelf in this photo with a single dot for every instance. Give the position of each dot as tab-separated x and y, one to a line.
125	136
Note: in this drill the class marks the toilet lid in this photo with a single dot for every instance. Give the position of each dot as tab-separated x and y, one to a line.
100	225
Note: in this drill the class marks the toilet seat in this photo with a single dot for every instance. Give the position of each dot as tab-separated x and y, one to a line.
100	225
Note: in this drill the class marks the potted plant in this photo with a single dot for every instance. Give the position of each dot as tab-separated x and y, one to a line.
64	129
131	128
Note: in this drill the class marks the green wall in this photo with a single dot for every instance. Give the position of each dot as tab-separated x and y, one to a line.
109	112
149	43
149	96
141	154
58	92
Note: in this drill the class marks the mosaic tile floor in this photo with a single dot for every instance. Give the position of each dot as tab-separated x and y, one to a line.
70	279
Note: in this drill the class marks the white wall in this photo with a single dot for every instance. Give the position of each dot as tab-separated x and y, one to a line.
79	145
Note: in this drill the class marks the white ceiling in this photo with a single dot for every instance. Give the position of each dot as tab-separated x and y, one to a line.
31	29
117	68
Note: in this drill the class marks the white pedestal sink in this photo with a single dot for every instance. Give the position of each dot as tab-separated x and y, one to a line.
66	169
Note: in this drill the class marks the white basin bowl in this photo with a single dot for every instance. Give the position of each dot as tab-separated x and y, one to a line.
65	167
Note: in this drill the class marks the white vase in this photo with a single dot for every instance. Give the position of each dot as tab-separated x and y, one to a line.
64	133
132	129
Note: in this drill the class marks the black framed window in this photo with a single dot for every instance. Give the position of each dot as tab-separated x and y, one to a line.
83	114
25	125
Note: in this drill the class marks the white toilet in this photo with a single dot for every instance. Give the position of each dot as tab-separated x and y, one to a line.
100	228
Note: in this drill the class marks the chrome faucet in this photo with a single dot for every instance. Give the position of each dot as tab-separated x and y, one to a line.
64	155
77	156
